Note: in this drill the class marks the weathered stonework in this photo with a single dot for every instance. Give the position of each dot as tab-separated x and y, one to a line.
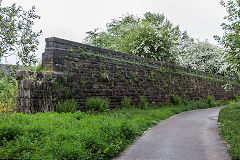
79	71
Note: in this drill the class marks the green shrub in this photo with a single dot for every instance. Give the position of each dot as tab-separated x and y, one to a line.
67	106
39	67
210	101
185	101
143	103
236	97
197	105
177	100
8	94
126	102
97	104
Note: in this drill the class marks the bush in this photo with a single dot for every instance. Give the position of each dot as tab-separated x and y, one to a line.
185	102
8	94
197	105
4	108
126	102
67	106
177	100
97	104
236	97
210	101
143	103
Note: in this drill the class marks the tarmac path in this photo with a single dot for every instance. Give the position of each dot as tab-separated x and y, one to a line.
190	135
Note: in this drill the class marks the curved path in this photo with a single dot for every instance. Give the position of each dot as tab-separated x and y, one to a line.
190	135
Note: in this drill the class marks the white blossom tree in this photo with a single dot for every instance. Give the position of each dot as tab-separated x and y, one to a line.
206	57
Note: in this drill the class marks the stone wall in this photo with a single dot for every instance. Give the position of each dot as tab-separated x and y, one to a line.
75	70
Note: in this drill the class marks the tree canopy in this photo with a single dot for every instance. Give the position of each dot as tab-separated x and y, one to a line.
204	56
152	36
231	37
16	34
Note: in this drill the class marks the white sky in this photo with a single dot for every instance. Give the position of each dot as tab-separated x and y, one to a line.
71	19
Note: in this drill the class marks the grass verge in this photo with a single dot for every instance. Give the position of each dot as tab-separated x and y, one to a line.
229	127
79	135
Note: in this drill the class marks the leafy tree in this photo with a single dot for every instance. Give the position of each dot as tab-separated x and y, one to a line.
16	34
231	38
152	36
204	56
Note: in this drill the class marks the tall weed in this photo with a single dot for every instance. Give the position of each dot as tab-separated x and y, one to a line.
126	102
236	97
67	106
177	100
97	104
143	103
210	101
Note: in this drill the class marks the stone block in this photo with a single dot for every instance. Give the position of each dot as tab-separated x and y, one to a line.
26	84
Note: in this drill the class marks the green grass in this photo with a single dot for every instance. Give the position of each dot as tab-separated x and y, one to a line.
33	68
79	135
229	119
37	67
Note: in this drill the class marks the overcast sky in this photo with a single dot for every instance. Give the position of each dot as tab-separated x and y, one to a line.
71	19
